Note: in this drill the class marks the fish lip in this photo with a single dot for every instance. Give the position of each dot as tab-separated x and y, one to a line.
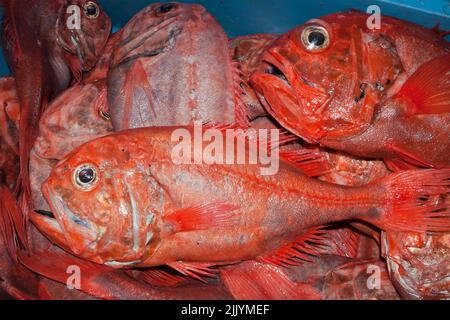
45	213
50	228
141	39
271	61
58	213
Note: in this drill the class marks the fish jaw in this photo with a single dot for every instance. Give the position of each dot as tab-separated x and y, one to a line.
51	228
281	102
77	234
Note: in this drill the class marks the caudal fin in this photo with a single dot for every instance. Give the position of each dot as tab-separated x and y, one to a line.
427	91
417	201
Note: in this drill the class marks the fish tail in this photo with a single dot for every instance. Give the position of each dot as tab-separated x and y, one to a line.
416	201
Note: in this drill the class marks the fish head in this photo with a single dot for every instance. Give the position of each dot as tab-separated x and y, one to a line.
155	30
75	117
104	206
323	78
83	29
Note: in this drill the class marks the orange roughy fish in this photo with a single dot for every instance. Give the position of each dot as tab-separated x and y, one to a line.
44	55
121	201
334	82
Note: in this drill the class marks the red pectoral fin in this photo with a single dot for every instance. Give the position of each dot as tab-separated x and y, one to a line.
136	78
253	280
408	157
398	165
201	217
427	91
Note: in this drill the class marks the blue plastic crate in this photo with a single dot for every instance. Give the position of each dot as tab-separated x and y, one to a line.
240	17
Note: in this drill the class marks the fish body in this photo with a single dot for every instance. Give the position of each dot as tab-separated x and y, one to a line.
44	55
374	93
121	201
171	66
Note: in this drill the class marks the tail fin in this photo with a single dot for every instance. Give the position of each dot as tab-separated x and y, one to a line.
417	201
11	223
428	89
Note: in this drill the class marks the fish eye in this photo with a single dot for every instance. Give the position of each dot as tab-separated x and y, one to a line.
91	10
315	38
85	177
167	7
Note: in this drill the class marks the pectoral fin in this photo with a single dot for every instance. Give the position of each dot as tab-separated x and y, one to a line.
427	91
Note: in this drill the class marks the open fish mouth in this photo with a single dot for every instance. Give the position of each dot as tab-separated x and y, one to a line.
61	224
46	222
45	213
276	71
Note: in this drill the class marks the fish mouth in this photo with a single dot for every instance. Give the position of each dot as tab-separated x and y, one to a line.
46	222
276	69
128	47
62	225
45	213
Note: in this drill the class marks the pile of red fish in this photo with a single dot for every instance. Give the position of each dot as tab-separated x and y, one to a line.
92	205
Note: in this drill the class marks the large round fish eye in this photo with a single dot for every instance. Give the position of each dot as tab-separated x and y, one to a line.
85	177
315	38
91	10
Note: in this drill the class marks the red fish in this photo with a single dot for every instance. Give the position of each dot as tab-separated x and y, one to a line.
44	55
121	201
381	93
172	66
